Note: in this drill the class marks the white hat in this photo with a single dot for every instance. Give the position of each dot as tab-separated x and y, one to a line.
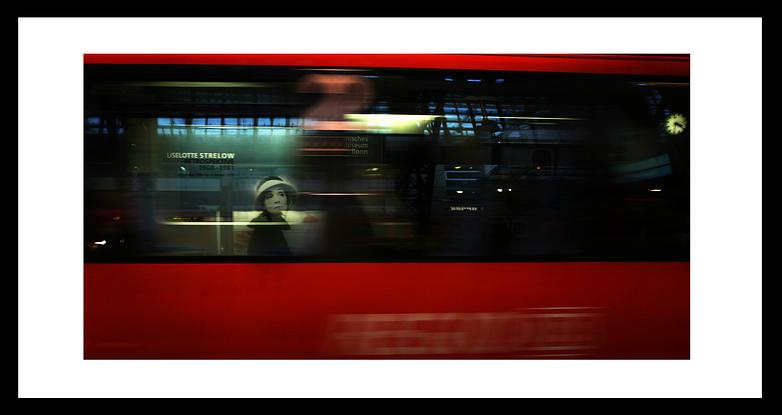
274	181
269	183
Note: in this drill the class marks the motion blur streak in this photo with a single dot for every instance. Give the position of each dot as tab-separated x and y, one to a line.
561	330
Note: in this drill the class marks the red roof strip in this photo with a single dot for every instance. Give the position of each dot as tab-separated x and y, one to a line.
673	65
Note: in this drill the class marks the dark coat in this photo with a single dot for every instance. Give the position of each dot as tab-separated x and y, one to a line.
268	240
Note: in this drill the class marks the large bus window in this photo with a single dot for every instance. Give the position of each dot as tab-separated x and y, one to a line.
384	164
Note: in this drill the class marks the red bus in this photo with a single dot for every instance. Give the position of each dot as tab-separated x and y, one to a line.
386	206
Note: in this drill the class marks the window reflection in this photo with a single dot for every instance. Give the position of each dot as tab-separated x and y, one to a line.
524	168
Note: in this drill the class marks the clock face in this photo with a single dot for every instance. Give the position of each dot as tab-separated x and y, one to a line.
676	124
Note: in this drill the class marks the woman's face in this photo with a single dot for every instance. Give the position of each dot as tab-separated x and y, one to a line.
275	201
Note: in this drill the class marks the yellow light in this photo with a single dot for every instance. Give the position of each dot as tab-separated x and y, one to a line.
396	123
538	118
460	191
655	190
458	167
103	242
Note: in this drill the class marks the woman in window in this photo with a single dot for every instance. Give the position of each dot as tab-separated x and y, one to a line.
274	197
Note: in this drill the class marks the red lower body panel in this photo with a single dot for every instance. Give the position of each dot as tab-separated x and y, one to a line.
589	310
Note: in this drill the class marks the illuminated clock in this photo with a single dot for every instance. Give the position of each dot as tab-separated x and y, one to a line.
675	124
